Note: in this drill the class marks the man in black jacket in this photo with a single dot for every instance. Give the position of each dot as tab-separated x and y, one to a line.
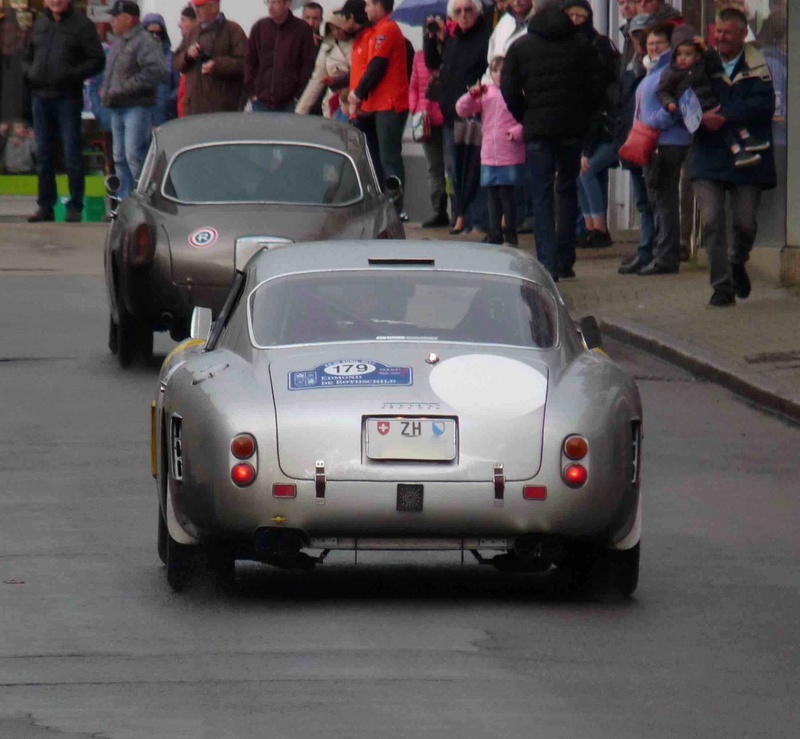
552	83
63	50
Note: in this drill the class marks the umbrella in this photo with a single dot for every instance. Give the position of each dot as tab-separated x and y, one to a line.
414	12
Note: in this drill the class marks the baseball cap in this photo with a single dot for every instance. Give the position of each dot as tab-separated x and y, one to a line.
640	22
200	2
125	6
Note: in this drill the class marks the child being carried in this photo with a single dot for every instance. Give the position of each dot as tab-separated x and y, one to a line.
693	66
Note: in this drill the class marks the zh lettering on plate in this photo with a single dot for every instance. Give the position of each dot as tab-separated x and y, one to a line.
350	373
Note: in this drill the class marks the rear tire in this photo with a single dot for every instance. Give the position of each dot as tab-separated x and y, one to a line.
181	561
113	335
163	534
134	338
595	573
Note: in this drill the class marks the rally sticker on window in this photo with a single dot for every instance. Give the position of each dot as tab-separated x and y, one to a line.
203	238
350	373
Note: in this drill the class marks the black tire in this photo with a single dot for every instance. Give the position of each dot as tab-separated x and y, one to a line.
163	534
135	338
221	567
595	573
113	335
181	561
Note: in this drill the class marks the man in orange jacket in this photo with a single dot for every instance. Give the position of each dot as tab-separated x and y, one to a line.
383	88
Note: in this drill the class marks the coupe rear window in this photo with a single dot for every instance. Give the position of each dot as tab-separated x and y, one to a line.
392	305
252	173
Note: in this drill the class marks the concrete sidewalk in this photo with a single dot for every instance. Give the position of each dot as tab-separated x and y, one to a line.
752	348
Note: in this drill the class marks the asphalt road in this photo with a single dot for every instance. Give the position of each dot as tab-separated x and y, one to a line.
94	644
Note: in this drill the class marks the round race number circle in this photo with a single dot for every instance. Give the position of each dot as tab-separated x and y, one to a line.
203	238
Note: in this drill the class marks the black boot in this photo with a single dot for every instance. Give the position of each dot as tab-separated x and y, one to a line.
440	218
511	238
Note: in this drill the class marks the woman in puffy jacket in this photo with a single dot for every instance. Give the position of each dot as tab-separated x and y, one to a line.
433	146
331	71
502	153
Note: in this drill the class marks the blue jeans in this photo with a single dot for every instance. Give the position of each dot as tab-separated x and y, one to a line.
554	165
644	253
55	118
131	130
593	185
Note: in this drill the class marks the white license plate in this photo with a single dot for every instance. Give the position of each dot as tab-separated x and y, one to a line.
425	439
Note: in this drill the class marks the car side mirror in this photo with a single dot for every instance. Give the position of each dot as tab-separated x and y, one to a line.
590	332
200	326
394	190
113	184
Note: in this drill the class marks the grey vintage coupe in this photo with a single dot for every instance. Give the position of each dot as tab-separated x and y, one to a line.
386	395
218	186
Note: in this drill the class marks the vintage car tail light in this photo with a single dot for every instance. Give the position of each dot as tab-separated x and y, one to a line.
143	246
243	446
534	492
243	474
575	475
576	447
281	490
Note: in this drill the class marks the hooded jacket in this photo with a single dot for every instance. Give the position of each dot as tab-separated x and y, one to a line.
135	69
418	88
670	126
333	60
461	63
552	81
506	32
497	149
674	82
166	107
60	55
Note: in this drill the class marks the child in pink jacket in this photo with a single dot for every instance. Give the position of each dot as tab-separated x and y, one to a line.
502	153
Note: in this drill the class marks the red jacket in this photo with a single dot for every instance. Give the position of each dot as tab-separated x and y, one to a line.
280	59
420	77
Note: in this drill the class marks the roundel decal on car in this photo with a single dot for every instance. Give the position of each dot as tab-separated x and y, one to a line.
488	386
203	238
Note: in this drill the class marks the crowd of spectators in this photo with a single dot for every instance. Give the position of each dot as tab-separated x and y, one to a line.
556	99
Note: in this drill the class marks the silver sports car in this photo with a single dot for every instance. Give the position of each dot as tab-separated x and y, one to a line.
398	395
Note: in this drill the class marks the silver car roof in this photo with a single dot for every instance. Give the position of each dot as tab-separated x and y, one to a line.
447	255
196	130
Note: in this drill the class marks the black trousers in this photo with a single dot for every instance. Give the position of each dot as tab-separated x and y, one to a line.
502	202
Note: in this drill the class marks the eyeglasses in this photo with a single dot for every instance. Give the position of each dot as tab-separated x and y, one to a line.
463	11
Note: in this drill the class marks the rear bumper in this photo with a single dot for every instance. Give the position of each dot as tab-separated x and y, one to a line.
365	515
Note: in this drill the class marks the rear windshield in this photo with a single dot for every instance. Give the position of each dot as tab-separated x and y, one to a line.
250	173
397	305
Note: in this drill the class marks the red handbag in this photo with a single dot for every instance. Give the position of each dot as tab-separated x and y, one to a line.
641	142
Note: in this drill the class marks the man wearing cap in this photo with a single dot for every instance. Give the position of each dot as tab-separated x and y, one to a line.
134	71
212	56
63	50
280	58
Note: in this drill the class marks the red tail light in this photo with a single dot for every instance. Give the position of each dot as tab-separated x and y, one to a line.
243	474
284	491
575	475
143	246
243	446
576	447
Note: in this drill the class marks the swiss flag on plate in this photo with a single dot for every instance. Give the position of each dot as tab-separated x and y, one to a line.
383	427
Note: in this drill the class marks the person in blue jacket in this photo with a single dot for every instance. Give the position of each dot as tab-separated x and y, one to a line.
747	98
663	173
166	107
